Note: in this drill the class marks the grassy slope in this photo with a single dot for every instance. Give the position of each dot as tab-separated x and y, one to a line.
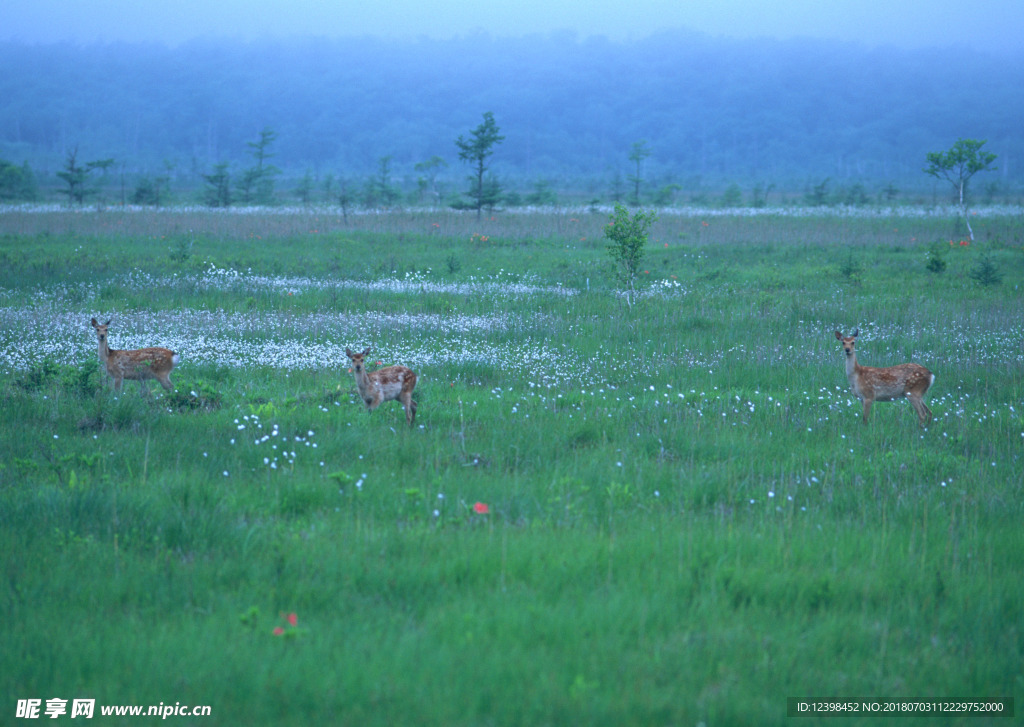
693	527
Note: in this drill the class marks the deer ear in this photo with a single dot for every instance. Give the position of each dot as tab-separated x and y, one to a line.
367	351
94	323
108	322
839	336
348	352
856	331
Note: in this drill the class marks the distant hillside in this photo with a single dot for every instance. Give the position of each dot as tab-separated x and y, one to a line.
712	111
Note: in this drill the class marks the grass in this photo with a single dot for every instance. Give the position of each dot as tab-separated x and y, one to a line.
686	523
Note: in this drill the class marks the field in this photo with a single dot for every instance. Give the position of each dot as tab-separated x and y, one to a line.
663	514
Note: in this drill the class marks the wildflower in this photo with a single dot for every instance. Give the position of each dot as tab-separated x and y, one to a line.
293	619
278	631
481	508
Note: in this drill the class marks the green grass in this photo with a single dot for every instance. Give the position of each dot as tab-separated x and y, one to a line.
687	520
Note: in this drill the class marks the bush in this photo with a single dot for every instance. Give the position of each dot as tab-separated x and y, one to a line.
627	237
986	272
936	262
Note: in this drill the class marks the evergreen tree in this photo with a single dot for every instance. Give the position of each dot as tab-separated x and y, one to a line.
218	187
484	193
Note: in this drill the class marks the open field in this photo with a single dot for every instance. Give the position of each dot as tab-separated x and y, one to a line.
686	521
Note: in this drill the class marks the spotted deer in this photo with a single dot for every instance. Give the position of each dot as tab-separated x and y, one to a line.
139	365
871	384
391	383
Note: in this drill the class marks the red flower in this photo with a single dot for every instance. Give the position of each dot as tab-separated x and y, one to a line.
481	508
293	619
278	631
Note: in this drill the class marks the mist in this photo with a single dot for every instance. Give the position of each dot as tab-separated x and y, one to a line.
752	94
991	26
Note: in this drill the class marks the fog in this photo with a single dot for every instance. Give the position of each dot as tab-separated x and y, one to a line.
994	26
781	95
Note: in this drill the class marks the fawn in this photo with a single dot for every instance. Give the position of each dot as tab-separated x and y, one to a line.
391	383
140	365
871	384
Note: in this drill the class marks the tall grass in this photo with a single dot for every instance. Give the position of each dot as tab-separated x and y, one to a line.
686	521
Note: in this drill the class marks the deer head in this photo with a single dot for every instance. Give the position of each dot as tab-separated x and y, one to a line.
848	341
358	358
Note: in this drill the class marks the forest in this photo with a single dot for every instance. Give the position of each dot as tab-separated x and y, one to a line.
713	113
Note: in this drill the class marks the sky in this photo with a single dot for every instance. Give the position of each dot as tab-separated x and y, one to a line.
995	26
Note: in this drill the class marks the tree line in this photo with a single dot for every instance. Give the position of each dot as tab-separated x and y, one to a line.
370	121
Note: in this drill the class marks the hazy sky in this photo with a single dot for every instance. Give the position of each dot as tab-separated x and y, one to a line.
996	25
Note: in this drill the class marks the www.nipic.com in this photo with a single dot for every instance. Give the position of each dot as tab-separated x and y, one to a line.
53	708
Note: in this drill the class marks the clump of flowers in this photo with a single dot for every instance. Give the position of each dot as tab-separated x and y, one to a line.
291	628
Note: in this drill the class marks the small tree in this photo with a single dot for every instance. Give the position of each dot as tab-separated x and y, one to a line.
257	183
732	196
76	176
542	194
17	183
218	187
387	194
637	155
627	237
344	198
957	166
304	189
429	170
476	150
246	185
818	197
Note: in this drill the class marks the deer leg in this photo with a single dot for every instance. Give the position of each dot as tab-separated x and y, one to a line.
924	414
166	383
867	409
410	406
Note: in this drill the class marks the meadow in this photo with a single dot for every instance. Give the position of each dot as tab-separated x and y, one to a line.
663	514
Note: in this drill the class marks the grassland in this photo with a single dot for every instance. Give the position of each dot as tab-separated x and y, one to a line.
686	520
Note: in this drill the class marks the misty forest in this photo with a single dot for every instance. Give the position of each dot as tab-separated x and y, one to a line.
716	121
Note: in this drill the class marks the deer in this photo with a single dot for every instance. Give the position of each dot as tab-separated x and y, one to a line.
870	384
139	365
391	383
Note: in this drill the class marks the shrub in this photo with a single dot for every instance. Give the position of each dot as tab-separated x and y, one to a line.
986	272
627	237
936	262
